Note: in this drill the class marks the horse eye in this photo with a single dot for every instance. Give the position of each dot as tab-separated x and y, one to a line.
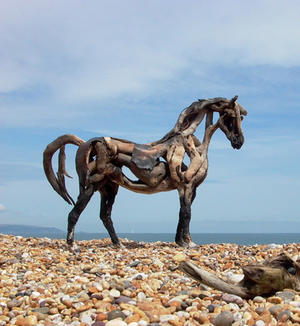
292	270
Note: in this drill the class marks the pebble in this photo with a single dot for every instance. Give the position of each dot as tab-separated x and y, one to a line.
99	323
179	257
13	303
211	307
286	296
43	283
274	310
166	318
234	278
231	298
284	315
247	316
115	293
122	299
35	294
225	318
295	304
260	323
116	322
259	299
141	296
43	310
101	316
135	263
85	318
260	310
237	316
28	321
115	314
275	300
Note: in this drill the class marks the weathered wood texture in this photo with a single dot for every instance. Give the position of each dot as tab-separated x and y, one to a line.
273	275
159	166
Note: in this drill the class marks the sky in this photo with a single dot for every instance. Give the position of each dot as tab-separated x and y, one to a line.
126	69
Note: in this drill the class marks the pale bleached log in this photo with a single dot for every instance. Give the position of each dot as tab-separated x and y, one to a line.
273	275
212	280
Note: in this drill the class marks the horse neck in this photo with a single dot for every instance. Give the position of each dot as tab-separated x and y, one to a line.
210	129
177	129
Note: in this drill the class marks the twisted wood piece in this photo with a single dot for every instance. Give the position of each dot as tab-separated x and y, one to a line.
273	275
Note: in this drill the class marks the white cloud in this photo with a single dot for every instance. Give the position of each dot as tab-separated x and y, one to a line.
105	49
2	208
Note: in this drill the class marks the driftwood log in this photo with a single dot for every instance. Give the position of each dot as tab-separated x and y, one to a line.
159	165
273	275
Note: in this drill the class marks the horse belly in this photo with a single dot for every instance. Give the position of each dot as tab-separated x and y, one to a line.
142	188
151	178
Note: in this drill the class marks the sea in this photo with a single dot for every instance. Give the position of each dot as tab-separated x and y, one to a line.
198	238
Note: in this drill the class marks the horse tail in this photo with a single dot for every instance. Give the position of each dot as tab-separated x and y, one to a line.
84	162
58	181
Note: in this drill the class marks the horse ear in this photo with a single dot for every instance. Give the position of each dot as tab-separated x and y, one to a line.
233	99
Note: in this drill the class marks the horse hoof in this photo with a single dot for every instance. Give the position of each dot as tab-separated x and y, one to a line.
181	244
73	248
192	245
117	245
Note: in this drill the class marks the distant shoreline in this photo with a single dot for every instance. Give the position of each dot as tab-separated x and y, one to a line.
198	238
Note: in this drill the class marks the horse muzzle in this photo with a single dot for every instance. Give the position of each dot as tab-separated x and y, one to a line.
237	141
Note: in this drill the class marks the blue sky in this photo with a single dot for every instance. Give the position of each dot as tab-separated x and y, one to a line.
127	69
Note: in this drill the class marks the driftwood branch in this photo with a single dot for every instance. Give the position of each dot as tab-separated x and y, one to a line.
212	280
265	279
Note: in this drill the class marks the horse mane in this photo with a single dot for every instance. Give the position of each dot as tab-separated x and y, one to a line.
190	118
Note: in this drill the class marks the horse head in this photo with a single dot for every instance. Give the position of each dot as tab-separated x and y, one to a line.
230	120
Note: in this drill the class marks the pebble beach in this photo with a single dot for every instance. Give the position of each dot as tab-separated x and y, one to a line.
42	282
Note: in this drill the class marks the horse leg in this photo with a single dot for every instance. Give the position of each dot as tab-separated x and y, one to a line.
83	199
108	195
186	197
186	225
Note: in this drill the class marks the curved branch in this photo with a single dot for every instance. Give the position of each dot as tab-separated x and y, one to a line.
175	156
212	280
57	183
61	173
196	159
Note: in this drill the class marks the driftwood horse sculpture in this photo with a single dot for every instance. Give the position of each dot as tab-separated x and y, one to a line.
159	166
